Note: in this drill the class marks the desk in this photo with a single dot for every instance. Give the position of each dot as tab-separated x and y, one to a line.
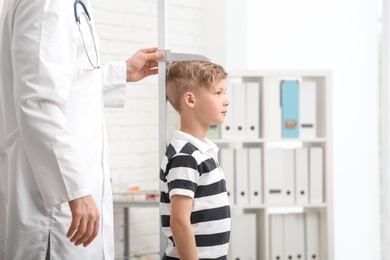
126	203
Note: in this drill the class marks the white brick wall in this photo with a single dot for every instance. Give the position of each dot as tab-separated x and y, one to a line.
124	26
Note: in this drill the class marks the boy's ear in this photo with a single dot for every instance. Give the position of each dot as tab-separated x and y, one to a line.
189	99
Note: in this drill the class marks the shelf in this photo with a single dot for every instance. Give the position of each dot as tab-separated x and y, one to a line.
263	140
280	207
247	207
284	73
229	141
236	136
286	140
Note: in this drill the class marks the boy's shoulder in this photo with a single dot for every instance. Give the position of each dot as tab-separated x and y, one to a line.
179	157
175	149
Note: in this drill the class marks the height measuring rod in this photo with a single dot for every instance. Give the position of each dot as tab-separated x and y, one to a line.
162	104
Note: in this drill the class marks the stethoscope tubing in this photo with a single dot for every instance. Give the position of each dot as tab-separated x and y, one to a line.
88	19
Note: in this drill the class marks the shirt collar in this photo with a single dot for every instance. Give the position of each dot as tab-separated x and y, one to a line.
205	147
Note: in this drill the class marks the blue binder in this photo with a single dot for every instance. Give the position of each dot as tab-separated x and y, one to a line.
289	93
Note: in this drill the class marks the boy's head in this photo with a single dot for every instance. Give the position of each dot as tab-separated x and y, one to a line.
191	76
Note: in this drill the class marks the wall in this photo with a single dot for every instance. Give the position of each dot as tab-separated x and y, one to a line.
384	124
123	28
340	36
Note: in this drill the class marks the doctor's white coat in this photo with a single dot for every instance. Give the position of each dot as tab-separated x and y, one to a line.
53	144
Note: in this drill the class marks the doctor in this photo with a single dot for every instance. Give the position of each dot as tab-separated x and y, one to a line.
55	194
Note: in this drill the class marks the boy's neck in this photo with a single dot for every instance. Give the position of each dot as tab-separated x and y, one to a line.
195	130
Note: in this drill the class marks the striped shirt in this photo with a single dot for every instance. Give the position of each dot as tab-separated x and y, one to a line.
190	168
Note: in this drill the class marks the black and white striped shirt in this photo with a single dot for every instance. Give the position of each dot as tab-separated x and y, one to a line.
190	168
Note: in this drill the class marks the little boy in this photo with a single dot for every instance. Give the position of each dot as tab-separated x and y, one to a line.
194	206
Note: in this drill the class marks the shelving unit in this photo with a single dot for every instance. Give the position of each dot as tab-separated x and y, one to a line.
268	139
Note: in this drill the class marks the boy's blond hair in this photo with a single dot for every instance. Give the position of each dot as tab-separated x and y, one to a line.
190	76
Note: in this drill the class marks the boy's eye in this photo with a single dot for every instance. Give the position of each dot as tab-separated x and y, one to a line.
218	93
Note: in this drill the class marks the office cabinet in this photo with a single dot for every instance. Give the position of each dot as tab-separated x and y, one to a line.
291	174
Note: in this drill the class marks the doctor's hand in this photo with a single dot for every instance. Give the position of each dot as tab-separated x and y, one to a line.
85	221
142	64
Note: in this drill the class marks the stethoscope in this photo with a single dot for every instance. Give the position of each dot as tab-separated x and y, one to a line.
88	19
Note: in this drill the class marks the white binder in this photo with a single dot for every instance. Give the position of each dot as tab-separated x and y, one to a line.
312	225
280	176
316	175
255	176
274	117
289	236
241	176
226	160
239	115
299	237
289	183
308	109
252	124
302	175
300	247
243	226
274	176
227	126
276	237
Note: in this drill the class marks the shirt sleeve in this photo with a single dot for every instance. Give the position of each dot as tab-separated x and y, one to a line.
114	84
44	50
183	176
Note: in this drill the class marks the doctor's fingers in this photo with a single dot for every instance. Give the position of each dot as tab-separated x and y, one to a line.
94	234
81	230
151	64
73	227
147	55
86	232
89	235
85	215
154	53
